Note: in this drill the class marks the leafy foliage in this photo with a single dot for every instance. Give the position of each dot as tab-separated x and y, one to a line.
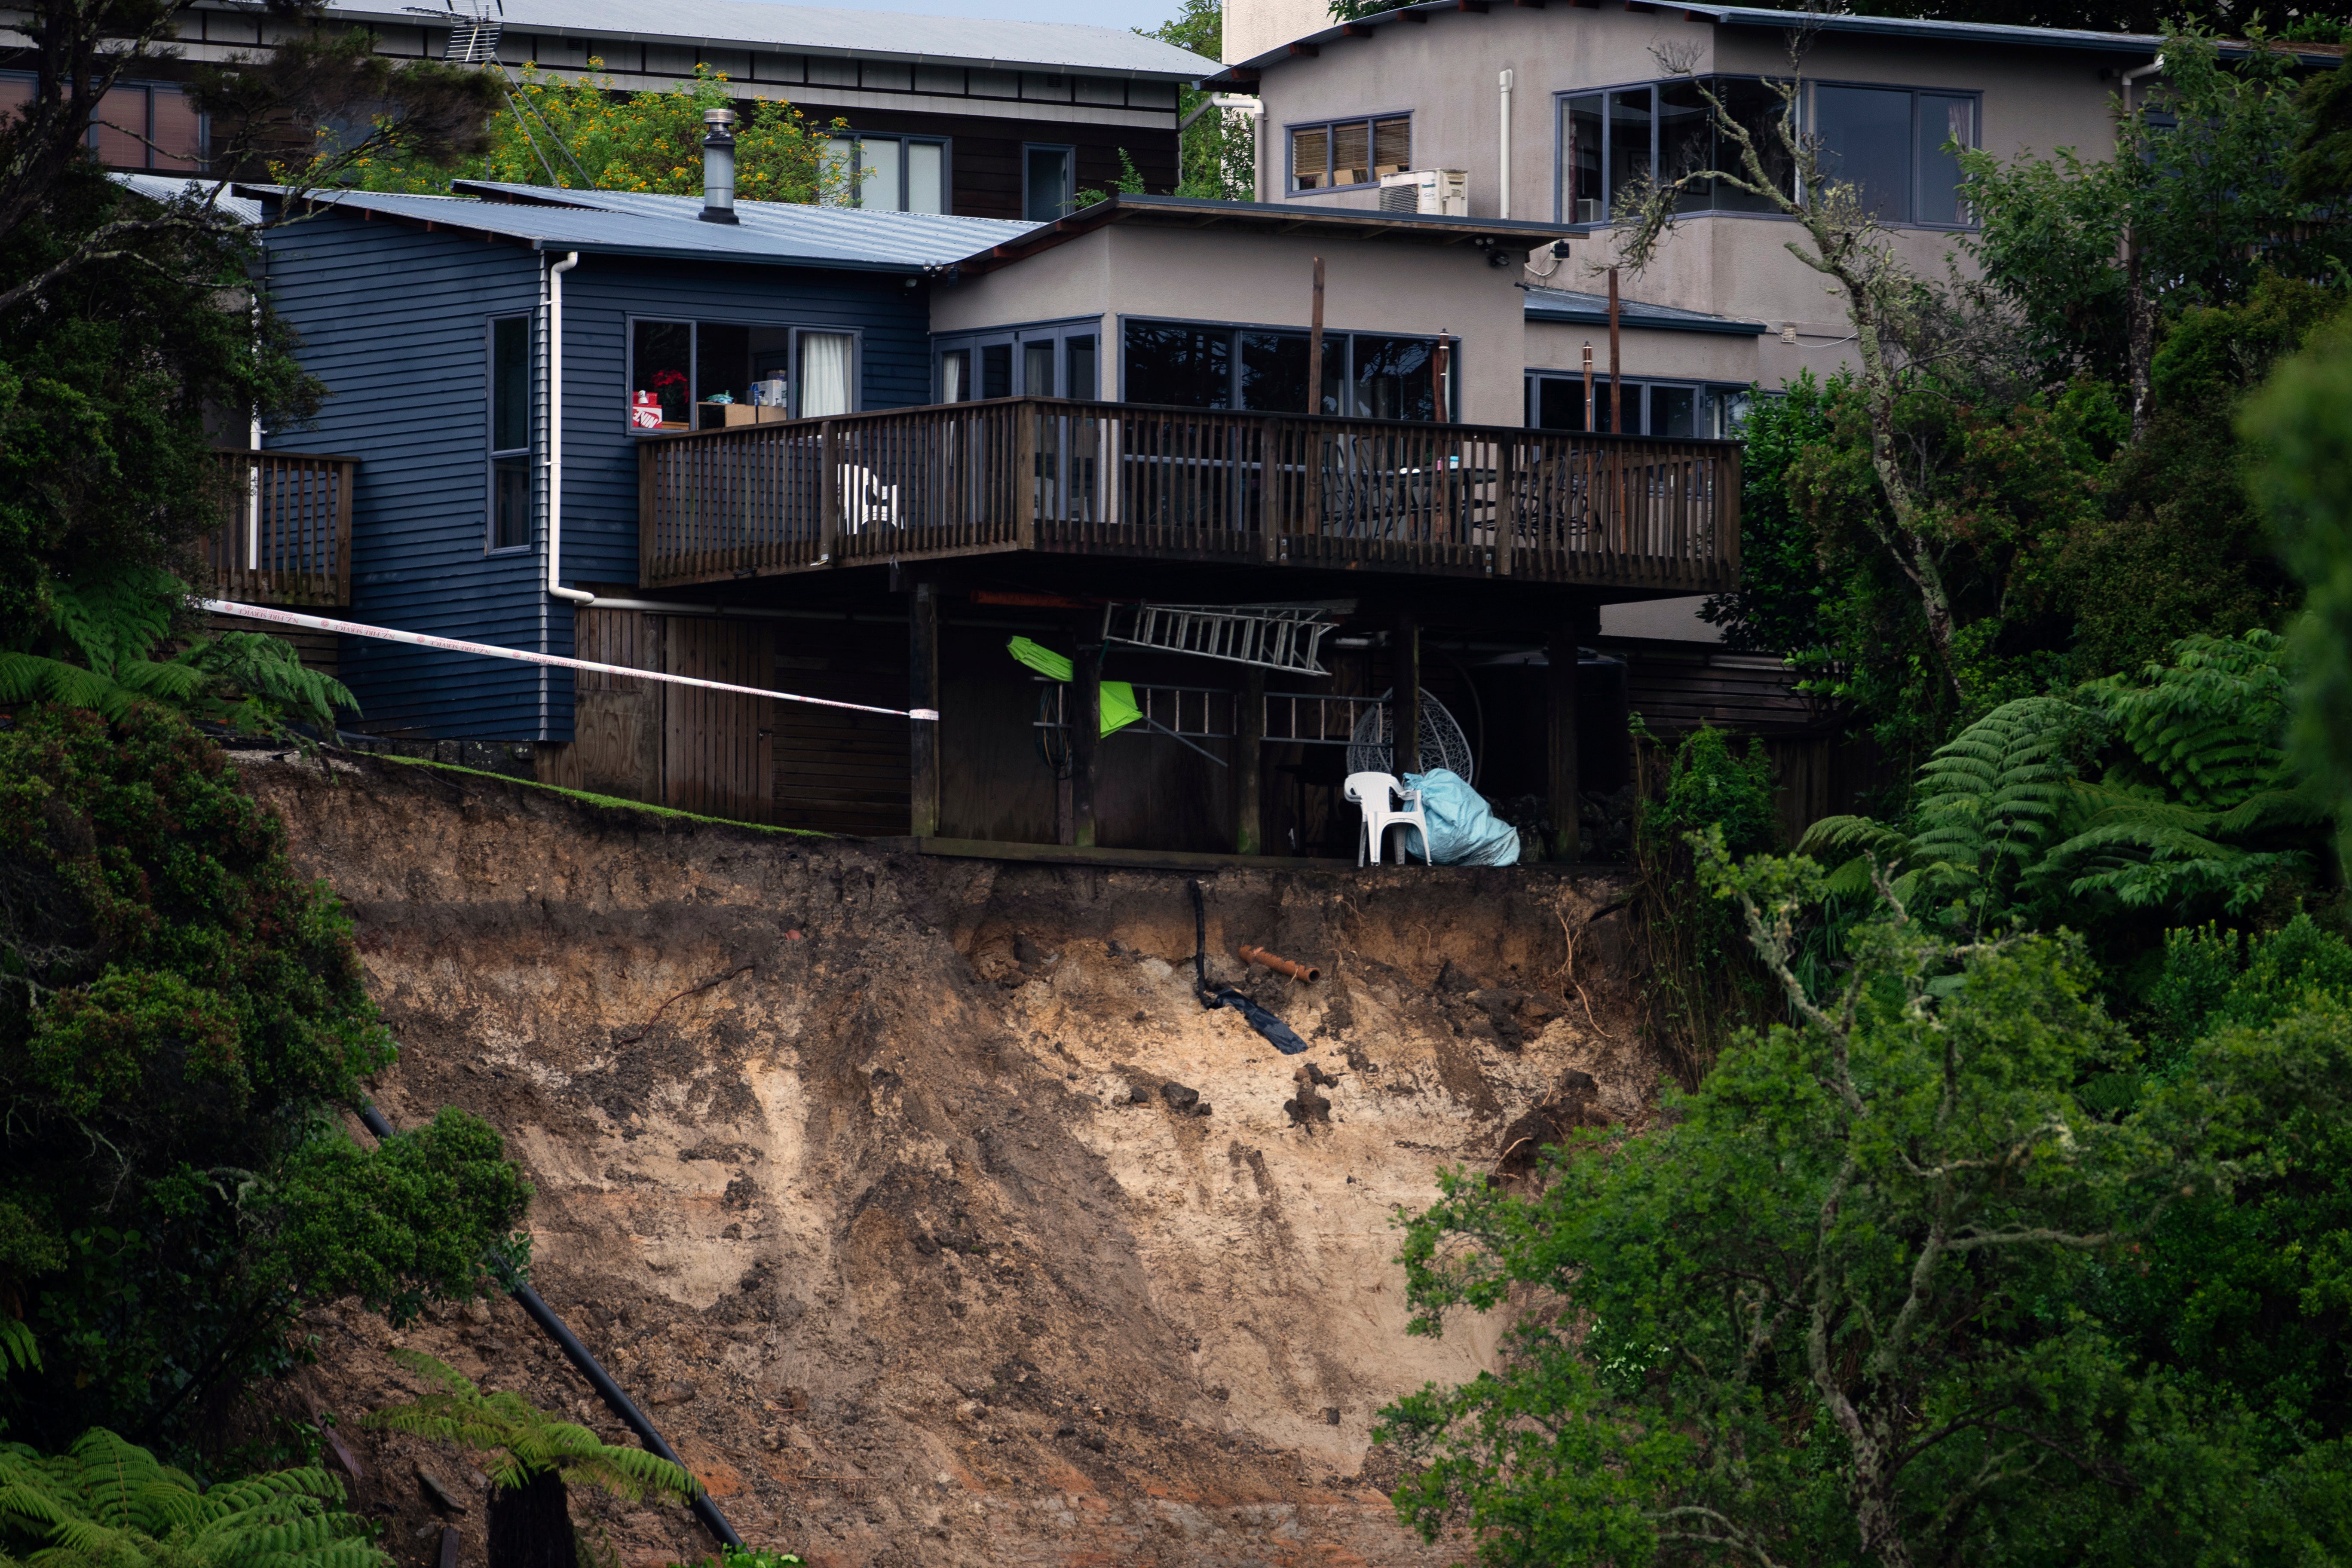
522	1442
1218	156
94	653
1777	608
180	1016
108	1502
2301	425
1700	987
106	464
1877	1291
581	133
2193	803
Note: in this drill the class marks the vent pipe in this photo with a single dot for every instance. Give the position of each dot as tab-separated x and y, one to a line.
719	166
1503	207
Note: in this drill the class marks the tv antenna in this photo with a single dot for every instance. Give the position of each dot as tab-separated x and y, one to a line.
474	41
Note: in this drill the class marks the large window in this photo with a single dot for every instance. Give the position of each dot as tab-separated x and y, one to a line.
1265	369
1556	402
1341	153
139	125
510	379
1609	140
1049	182
1889	143
689	376
893	174
1050	359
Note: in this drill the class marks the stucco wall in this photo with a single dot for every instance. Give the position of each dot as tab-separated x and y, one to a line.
1265	280
1445	72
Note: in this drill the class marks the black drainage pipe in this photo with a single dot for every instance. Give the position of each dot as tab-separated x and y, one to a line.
611	1392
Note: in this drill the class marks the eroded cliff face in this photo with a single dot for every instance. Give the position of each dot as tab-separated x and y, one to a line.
919	1200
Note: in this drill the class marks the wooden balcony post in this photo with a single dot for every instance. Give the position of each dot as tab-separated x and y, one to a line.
829	471
1506	502
1405	699
1028	477
1085	737
648	516
1249	749
923	691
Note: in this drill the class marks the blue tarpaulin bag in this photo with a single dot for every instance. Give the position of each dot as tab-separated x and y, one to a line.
1462	831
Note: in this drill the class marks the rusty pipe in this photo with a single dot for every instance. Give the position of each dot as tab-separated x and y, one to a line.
1279	964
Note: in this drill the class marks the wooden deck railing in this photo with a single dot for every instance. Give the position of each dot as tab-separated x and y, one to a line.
289	540
1112	479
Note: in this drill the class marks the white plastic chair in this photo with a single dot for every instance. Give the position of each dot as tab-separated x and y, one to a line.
864	499
1386	803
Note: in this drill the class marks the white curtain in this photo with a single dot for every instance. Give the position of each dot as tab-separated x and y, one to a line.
955	371
826	374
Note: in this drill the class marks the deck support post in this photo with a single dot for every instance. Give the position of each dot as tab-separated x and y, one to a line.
1249	749
1086	738
923	691
828	495
1404	697
1561	764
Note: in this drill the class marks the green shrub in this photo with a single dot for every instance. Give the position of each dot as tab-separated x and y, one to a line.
181	1018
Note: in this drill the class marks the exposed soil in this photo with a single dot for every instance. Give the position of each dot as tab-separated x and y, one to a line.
918	1200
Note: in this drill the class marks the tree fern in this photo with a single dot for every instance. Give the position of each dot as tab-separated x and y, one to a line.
93	652
2211	725
533	1459
2195	805
1990	800
524	1442
109	1500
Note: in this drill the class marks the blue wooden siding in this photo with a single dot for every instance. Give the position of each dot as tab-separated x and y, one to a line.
599	296
393	320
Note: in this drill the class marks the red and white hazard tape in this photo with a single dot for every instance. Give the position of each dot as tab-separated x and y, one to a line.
419	640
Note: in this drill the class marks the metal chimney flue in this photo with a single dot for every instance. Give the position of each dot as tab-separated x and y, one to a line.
719	166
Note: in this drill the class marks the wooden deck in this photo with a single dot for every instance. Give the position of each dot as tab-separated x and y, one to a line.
1113	480
289	538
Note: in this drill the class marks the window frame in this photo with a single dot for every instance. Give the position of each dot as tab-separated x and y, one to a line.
494	455
1346	378
904	139
1059	332
1070	187
1806	119
1717	395
1975	97
1290	185
793	331
153	164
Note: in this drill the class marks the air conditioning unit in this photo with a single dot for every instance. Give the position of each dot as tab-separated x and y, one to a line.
1439	193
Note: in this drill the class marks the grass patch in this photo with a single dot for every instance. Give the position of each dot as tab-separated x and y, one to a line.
613	802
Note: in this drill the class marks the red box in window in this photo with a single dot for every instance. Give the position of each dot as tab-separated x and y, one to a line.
644	412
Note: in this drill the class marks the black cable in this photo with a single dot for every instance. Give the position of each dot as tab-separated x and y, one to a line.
611	1392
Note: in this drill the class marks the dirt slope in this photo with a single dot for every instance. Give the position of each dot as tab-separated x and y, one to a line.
879	1178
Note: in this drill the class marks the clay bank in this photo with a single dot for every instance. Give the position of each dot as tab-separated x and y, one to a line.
919	1199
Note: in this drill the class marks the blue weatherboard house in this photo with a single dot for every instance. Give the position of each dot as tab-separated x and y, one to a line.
492	360
853	455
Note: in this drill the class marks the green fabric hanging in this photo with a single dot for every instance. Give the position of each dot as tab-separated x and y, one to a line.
1119	708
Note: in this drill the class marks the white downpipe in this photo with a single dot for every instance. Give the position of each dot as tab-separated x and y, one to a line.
1504	208
555	432
2130	76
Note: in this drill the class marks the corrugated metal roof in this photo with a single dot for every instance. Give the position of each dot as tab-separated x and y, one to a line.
1982	33
806	29
171	187
626	222
1592	309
